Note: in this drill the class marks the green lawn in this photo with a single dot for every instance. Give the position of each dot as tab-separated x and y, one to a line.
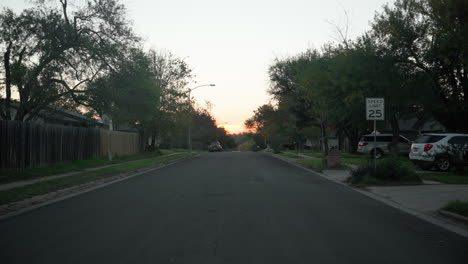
445	177
170	151
290	155
457	207
44	187
316	165
343	155
308	151
352	155
360	160
355	161
319	165
314	154
32	173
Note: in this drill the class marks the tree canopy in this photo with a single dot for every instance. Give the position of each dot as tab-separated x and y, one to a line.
414	56
53	52
86	56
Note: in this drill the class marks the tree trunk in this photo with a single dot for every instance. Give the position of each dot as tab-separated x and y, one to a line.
465	98
6	62
353	137
393	146
324	141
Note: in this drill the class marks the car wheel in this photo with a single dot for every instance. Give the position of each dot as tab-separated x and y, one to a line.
443	163
377	153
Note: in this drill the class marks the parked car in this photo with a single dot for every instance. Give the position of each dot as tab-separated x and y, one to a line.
215	146
439	150
381	147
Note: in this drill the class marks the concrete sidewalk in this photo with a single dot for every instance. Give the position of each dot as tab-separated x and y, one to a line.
425	198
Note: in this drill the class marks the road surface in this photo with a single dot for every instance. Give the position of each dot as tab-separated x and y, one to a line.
225	208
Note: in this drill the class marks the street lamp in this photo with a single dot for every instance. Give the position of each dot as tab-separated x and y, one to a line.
189	121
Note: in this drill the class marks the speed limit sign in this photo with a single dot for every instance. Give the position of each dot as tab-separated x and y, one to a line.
375	108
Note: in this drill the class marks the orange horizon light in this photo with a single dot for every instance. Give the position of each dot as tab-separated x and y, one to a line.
233	129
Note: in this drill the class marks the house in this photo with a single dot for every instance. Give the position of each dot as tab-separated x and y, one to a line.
410	128
59	116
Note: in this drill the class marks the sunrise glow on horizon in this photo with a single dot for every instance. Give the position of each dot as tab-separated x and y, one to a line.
234	129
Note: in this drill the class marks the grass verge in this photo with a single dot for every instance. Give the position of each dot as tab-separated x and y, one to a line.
348	155
360	160
315	165
175	150
28	191
314	154
356	161
457	207
445	177
290	155
320	165
34	173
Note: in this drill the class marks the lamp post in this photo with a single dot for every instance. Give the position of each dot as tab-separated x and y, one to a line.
189	139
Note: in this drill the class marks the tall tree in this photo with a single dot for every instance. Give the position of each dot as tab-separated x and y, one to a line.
344	77
286	89
128	95
430	36
51	52
172	75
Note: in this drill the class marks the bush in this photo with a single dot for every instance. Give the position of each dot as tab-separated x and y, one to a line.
458	207
358	175
247	146
316	165
387	171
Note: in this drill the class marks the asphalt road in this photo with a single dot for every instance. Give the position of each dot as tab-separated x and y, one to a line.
225	208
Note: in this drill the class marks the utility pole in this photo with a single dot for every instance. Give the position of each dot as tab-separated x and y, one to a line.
189	137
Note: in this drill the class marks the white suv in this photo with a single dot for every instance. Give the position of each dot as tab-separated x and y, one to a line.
438	150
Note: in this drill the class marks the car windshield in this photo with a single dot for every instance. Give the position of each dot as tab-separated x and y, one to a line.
429	139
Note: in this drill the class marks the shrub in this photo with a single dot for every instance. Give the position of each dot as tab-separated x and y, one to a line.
276	150
247	146
387	171
358	175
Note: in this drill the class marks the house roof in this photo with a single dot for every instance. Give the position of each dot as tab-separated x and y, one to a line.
61	115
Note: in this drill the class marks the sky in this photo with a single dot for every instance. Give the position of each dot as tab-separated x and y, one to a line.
232	43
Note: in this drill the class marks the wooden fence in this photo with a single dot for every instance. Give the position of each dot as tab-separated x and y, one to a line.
26	145
119	143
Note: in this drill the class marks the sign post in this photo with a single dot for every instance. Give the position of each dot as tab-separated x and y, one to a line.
375	110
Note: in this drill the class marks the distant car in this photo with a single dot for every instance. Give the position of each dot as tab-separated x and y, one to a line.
439	150
215	146
366	145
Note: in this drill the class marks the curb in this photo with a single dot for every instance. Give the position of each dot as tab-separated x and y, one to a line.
442	222
85	189
454	216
